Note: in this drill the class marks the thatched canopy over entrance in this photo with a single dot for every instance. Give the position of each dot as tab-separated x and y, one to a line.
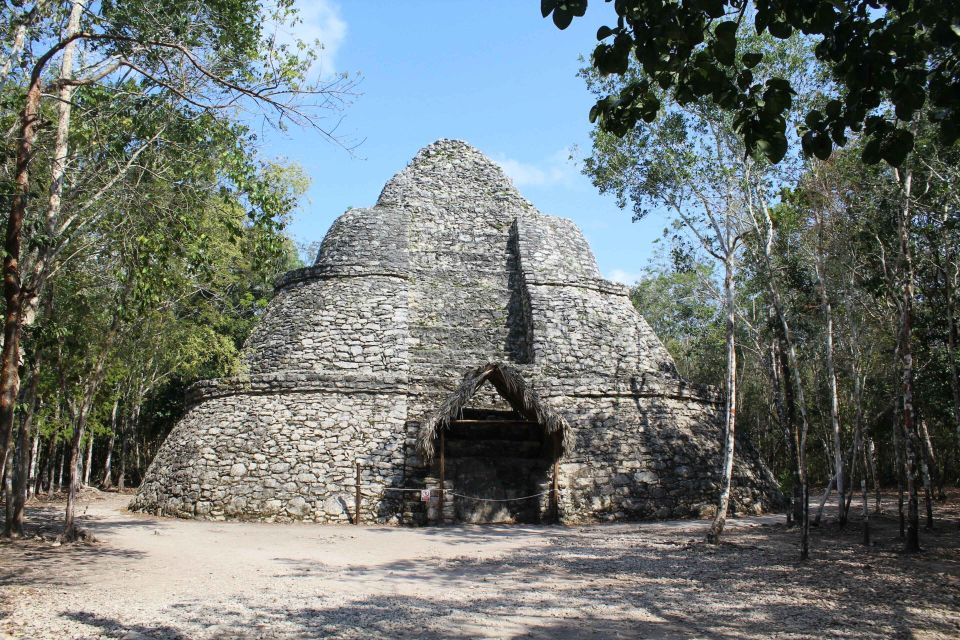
511	386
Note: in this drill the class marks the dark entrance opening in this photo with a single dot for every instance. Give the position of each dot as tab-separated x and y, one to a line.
500	467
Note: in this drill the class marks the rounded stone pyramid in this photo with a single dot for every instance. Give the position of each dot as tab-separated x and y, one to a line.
454	339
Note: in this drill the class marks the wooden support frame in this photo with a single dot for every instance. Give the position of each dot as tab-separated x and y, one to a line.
443	473
356	504
554	494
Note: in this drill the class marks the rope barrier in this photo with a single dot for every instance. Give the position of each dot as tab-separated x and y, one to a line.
460	495
536	495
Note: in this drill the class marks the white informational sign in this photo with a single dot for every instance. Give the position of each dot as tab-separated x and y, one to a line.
424	495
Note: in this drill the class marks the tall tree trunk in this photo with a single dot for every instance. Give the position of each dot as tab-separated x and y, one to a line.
7	480
22	476
13	292
729	442
950	286
874	474
69	527
827	310
823	500
122	472
89	462
62	463
927	467
906	362
90	389
58	168
898	466
766	230
107	472
34	464
51	465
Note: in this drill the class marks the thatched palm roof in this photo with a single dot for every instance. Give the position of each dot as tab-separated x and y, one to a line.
511	386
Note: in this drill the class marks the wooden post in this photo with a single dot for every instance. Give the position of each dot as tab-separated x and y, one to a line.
443	472
554	497
356	505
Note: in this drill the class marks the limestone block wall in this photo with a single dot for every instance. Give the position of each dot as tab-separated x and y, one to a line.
578	320
639	454
351	323
282	457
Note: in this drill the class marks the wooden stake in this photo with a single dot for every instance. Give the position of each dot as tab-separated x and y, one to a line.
554	497
443	471
356	506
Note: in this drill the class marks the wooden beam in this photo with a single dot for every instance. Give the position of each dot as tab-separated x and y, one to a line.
554	497
356	504
525	423
442	473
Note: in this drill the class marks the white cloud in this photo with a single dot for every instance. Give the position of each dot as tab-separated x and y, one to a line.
624	277
317	21
555	170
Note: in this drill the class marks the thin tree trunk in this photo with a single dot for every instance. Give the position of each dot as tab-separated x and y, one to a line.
69	527
874	475
51	464
62	463
107	472
22	476
7	480
34	460
122	475
823	500
952	338
827	310
898	466
906	358
787	335
930	457
10	355
58	169
89	462
726	480
80	416
42	463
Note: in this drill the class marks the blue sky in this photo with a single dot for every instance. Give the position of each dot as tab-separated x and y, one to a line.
492	73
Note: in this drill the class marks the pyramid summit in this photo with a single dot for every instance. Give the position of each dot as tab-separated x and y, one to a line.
450	338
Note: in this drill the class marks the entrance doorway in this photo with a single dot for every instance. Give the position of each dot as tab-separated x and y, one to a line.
500	467
497	465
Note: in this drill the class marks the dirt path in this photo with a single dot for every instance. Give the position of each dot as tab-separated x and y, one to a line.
158	578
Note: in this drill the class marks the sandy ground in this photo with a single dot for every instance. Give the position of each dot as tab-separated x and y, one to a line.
157	578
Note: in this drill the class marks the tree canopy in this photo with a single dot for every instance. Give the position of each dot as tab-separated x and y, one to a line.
886	60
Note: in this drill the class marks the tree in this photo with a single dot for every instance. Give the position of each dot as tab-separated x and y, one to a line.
878	52
180	72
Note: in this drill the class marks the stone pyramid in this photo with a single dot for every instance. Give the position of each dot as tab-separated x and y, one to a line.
399	333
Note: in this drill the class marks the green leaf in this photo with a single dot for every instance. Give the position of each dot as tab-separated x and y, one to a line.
562	18
817	144
780	30
546	6
751	59
871	151
604	32
725	44
895	147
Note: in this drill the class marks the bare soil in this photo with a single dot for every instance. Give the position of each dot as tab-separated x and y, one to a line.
149	577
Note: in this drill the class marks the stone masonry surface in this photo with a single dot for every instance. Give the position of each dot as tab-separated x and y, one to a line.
450	270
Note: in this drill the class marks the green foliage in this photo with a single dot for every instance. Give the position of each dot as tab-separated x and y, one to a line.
886	59
673	299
